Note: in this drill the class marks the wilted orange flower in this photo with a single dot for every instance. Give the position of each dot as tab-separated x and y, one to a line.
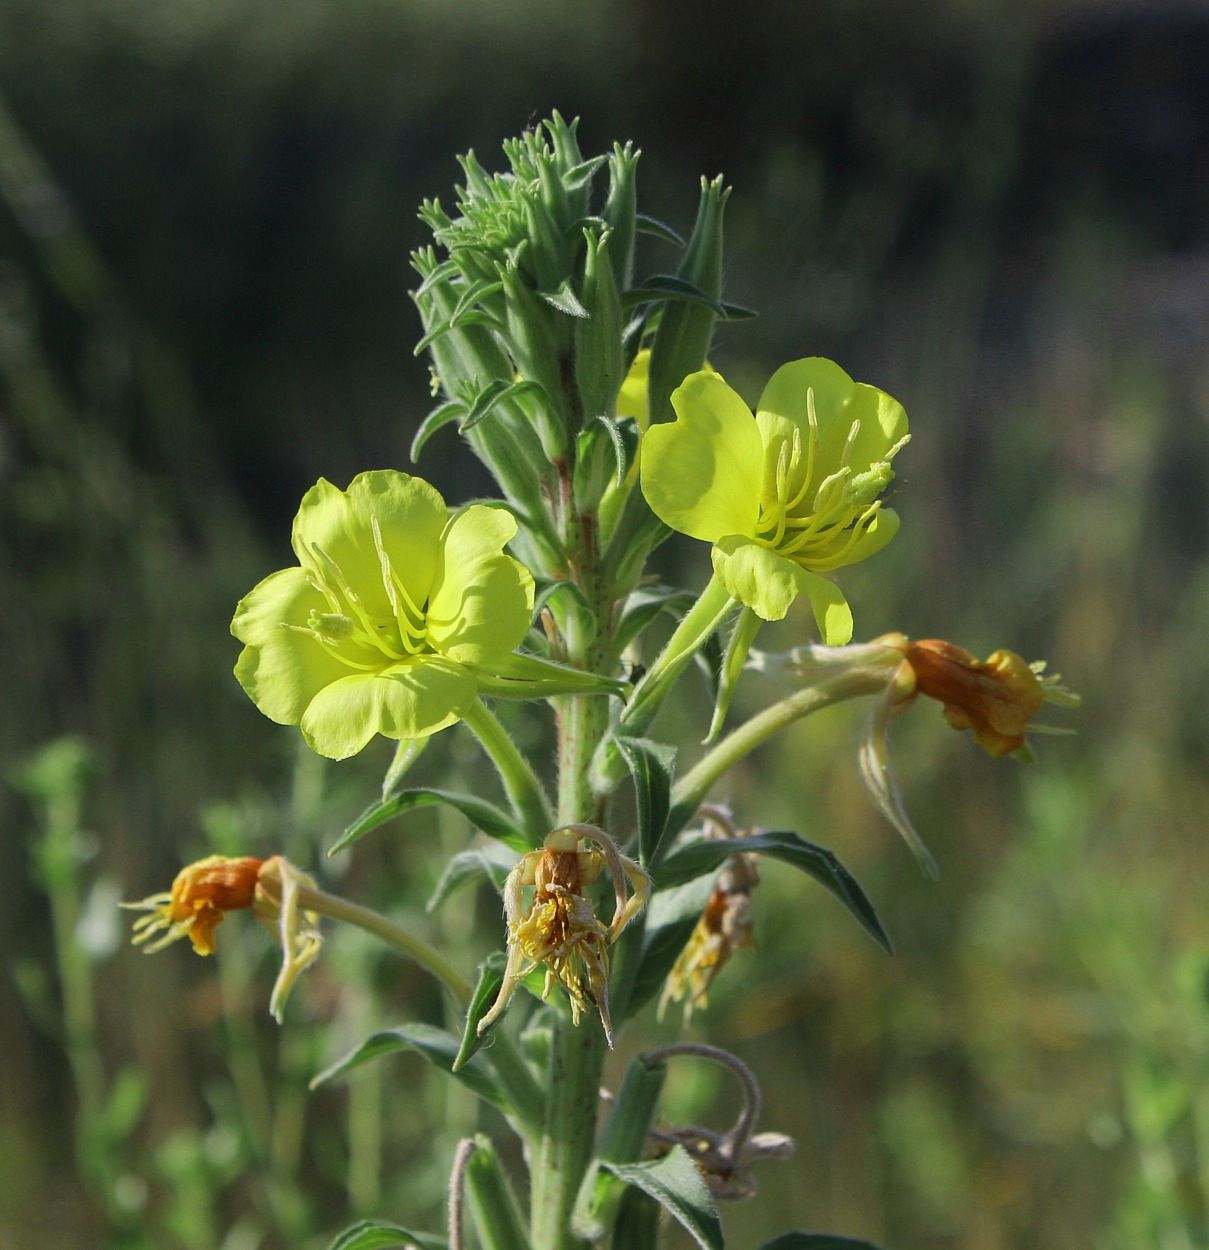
201	896
205	891
995	698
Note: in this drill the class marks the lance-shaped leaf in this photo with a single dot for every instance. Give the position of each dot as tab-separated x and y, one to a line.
375	1235
441	415
671	917
437	1046
676	1185
491	977
493	861
492	820
651	764
697	858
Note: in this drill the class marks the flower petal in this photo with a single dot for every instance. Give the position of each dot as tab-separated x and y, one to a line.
838	401
482	599
832	614
702	473
633	399
768	584
876	535
410	514
280	669
409	700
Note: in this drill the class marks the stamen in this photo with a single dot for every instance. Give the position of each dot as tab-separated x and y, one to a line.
852	433
331	648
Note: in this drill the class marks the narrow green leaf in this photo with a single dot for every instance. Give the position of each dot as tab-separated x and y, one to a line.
493	861
676	1185
659	229
493	394
493	821
491	977
644	606
816	1241
667	286
671	916
472	318
471	296
651	764
446	269
565	300
437	1046
698	858
625	436
440	416
578	175
375	1235
737	312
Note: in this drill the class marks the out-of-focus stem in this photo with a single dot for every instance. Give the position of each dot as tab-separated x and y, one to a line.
849	684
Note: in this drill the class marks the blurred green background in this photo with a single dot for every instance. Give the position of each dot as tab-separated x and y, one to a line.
998	213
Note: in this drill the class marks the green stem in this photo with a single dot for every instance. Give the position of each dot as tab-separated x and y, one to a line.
849	684
576	1054
428	957
576	1063
689	637
521	784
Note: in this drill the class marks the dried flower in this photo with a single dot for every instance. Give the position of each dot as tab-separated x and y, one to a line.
205	891
725	925
560	929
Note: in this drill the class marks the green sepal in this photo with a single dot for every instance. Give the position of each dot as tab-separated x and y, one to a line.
675	1183
622	1141
696	859
747	626
492	1202
652	765
534	339
620	211
438	1047
492	820
521	676
681	344
599	364
375	1235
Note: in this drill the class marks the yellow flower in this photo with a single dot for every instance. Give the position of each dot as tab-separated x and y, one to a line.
560	928
787	495
205	891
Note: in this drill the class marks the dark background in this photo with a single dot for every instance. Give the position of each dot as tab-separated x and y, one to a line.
998	213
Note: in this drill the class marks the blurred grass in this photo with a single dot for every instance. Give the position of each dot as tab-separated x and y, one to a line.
999	216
